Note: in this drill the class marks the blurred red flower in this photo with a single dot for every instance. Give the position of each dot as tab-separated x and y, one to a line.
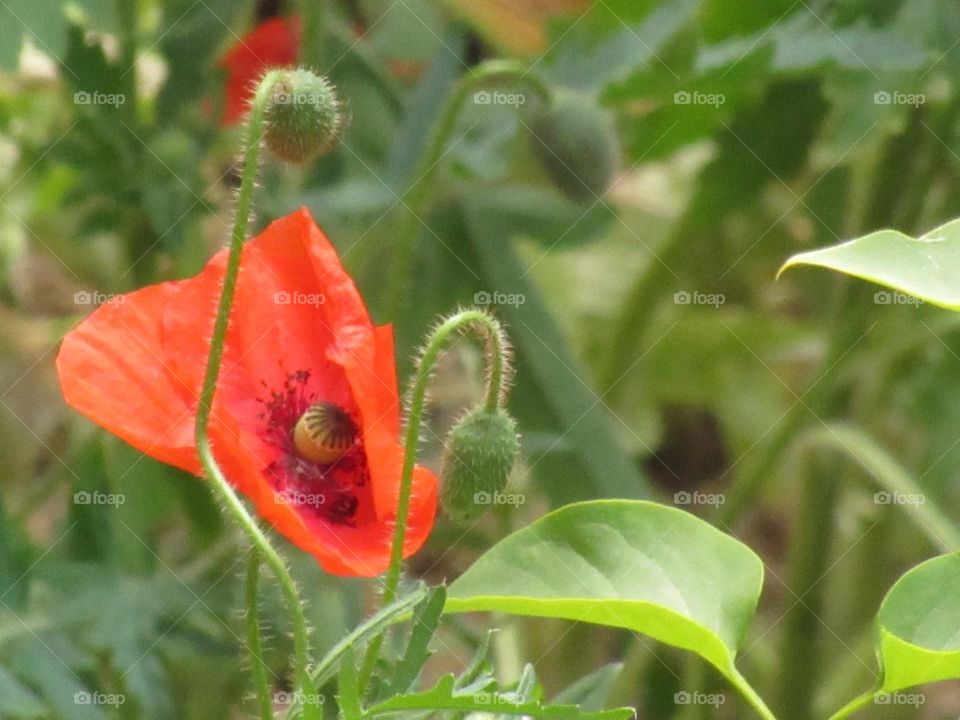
273	43
299	336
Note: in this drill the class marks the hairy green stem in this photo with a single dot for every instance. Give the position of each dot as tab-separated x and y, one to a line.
254	644
218	481
413	203
486	327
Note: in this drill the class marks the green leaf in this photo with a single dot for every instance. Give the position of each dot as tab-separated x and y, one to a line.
629	564
919	625
425	621
584	58
925	267
444	696
591	691
393	613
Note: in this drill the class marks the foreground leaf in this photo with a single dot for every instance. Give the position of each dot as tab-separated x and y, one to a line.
919	624
630	564
925	267
444	696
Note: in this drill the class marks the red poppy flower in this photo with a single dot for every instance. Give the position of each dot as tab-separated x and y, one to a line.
299	339
273	43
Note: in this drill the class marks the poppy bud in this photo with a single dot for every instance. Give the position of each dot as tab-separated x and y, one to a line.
576	144
303	117
480	451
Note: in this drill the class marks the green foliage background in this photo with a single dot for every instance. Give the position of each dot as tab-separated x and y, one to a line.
805	123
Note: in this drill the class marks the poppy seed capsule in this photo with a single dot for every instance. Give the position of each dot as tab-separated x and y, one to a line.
324	433
303	117
479	454
576	144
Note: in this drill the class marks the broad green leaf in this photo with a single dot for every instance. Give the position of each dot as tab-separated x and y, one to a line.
919	625
631	564
444	696
925	267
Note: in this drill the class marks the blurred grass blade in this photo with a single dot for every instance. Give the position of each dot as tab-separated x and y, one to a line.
391	614
894	479
424	625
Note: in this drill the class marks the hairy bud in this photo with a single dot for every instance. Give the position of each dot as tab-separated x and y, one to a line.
480	452
303	118
576	144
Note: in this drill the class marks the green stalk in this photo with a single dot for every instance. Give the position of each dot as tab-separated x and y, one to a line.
413	204
800	675
254	643
487	328
854	705
311	43
219	482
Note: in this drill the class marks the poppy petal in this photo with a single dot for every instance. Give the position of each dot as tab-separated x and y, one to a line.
113	370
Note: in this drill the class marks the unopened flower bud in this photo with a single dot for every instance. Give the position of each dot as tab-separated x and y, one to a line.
303	117
480	452
576	144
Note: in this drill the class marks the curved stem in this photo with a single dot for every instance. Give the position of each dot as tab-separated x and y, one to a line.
218	481
854	705
254	643
751	696
486	327
412	205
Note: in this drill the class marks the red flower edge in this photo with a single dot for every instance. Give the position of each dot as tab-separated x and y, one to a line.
299	333
273	43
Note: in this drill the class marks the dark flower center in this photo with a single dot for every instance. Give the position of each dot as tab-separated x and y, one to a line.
322	464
